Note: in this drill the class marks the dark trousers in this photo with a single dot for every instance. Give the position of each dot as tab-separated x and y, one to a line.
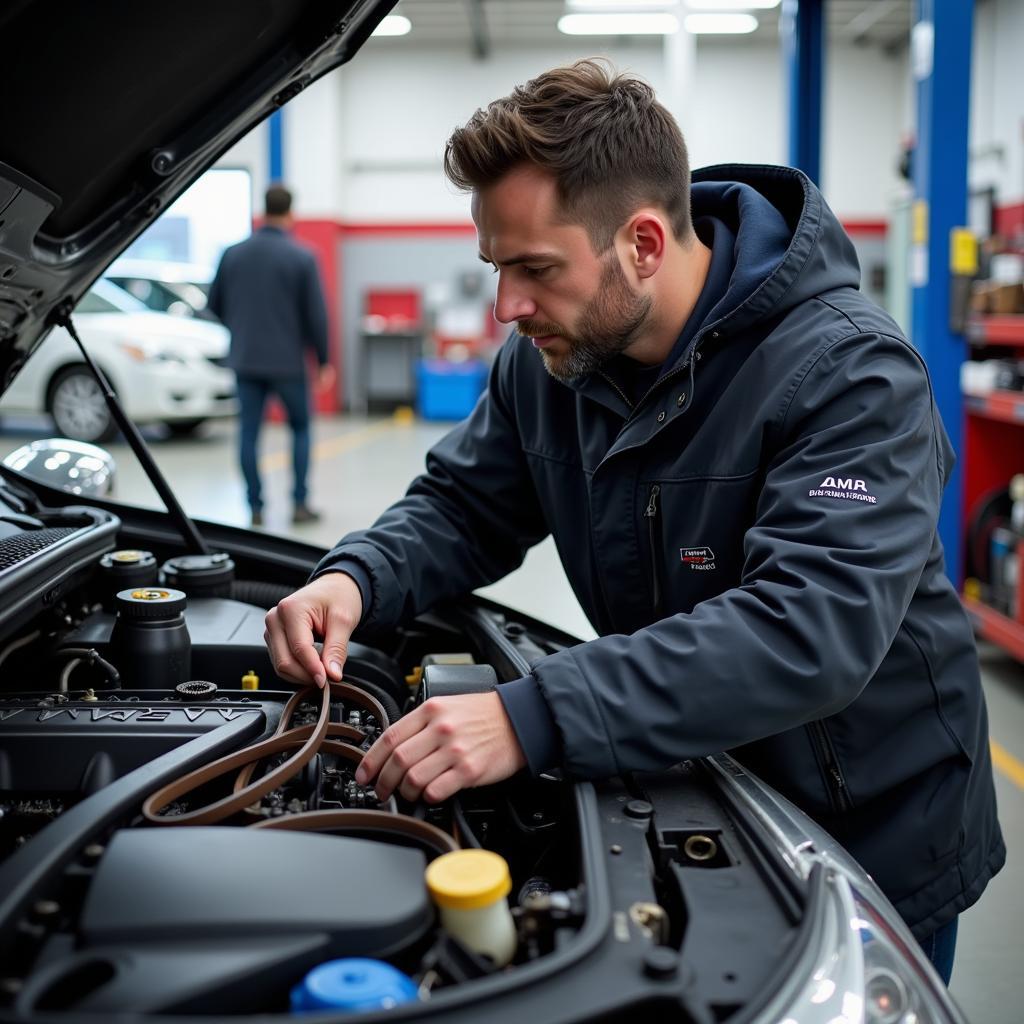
253	393
940	947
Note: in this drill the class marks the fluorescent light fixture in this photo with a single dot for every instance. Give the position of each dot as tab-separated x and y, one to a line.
732	5
620	5
393	25
719	24
621	24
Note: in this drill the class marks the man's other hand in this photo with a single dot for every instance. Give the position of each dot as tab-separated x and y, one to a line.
330	607
444	745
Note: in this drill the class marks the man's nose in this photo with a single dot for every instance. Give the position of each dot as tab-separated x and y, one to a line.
512	303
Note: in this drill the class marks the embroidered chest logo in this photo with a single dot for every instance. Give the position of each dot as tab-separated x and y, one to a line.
698	559
843	487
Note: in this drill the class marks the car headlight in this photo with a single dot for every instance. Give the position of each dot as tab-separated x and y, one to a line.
867	967
142	354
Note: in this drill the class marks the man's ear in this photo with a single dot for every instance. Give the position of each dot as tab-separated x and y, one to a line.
646	237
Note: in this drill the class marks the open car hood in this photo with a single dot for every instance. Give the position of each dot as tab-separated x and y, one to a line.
120	107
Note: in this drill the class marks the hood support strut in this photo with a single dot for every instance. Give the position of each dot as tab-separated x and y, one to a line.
61	316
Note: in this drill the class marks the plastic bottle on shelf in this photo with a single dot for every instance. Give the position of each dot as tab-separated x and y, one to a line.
1017	508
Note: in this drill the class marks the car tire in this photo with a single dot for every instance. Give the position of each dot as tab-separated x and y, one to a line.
76	405
184	428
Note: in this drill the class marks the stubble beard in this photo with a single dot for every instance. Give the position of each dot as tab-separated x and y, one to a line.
608	325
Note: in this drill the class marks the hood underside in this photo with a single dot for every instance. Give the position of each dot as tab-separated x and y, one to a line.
119	107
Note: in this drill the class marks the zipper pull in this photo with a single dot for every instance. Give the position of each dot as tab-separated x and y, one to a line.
652	504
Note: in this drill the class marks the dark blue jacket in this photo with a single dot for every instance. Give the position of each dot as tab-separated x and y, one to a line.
755	542
267	293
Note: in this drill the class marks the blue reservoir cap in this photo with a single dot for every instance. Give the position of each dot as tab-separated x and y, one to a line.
353	984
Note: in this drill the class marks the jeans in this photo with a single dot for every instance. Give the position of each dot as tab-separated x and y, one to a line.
939	947
252	398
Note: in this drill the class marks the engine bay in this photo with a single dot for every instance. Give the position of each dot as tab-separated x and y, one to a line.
181	832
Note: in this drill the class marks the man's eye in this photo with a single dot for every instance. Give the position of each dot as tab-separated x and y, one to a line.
536	271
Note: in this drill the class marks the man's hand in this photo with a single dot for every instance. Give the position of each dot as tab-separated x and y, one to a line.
325	377
446	744
329	607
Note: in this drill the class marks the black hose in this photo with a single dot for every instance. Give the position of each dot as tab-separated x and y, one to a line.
386	700
263	595
92	657
267	595
469	837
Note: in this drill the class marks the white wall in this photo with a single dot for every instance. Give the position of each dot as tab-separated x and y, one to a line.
997	99
863	123
365	143
400	105
251	153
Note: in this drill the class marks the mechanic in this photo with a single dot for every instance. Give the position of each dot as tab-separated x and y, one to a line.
741	464
267	293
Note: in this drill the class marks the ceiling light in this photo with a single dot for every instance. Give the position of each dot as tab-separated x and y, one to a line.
732	5
721	24
622	24
393	25
621	5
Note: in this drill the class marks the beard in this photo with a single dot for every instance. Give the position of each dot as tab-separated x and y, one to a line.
608	325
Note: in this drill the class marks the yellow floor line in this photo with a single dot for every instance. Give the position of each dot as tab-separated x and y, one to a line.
332	446
1007	764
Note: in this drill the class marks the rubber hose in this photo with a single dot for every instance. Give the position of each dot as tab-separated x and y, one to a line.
388	702
267	595
263	595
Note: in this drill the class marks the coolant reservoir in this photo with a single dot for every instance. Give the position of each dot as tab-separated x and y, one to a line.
469	888
352	985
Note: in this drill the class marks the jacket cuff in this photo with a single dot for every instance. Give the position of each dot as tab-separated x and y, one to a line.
350	567
533	723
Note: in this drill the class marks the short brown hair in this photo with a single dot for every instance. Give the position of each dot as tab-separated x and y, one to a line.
610	145
277	201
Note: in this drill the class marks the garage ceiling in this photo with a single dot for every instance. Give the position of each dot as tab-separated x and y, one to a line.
479	24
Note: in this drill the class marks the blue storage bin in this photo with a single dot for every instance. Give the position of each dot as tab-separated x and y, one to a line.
448	391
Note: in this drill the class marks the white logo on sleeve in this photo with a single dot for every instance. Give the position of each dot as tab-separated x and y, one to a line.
843	487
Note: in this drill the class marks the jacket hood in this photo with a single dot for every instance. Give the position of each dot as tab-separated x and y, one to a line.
789	245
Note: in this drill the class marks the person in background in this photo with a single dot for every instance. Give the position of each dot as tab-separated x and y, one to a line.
267	293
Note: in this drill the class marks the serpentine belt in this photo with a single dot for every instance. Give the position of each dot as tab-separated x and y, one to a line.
310	740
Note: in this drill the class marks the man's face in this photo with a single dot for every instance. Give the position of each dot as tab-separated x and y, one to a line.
577	306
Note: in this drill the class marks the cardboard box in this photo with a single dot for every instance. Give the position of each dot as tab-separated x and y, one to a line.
1006	298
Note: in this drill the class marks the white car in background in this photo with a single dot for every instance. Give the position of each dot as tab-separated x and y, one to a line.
164	369
165	286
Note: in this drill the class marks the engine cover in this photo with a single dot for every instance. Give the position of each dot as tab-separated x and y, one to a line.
167	884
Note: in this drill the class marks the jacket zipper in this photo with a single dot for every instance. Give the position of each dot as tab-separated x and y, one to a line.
651	513
825	753
622	394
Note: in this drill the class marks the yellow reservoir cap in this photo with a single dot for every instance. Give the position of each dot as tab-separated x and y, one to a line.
468	879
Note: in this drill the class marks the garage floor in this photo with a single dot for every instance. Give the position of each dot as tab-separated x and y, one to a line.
361	465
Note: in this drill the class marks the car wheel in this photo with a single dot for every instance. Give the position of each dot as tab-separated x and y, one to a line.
77	407
184	428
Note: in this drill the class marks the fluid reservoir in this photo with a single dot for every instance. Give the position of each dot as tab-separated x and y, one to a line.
208	575
127	568
352	985
150	643
469	888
